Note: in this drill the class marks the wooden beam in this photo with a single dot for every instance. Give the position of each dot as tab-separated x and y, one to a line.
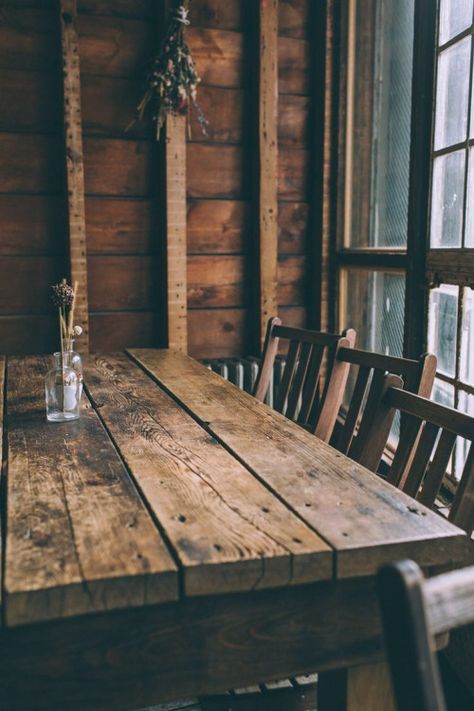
74	163
175	153
268	162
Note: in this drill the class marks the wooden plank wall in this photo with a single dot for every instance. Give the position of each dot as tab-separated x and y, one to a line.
122	182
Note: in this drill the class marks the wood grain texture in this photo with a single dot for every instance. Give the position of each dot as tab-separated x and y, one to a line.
199	646
74	163
119	167
215	171
36	114
176	276
113	331
121	283
121	226
267	163
217	281
78	537
366	520
30	164
217	333
229	532
217	226
34	274
31	224
16	334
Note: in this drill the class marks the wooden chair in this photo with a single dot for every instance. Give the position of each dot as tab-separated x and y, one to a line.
370	383
424	448
414	610
298	393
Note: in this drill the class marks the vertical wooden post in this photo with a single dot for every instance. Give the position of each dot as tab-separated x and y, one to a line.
175	156
268	162
74	163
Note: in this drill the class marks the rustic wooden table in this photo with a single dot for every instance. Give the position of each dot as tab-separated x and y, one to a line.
182	538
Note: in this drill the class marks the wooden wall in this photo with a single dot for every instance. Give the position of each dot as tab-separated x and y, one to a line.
123	182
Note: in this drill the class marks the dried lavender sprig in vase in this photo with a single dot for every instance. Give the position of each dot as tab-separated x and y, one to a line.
62	296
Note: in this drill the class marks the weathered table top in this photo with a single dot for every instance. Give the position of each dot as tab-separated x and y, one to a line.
175	484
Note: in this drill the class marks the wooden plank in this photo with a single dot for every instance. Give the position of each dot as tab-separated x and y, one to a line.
36	114
366	520
120	226
71	77
293	120
176	278
121	283
292	227
219	56
33	276
293	18
216	171
220	14
229	532
118	167
293	66
30	163
224	109
115	331
217	281
79	539
267	163
153	654
216	333
291	280
25	39
16	334
293	174
31	224
215	226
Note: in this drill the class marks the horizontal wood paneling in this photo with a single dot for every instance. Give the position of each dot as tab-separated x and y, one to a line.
25	334
291	280
29	100
293	120
109	105
215	171
217	281
220	14
31	224
25	39
219	56
224	111
293	174
121	283
294	18
217	226
293	66
218	332
114	331
120	8
119	167
292	227
30	163
114	47
121	226
25	282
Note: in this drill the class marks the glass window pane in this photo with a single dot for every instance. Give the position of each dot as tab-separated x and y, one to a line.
443	393
452	94
469	229
442	327
467	340
466	404
447	200
454	17
373	304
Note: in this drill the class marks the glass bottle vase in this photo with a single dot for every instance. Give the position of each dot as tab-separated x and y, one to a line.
63	393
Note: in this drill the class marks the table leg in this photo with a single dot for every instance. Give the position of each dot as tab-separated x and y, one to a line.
366	687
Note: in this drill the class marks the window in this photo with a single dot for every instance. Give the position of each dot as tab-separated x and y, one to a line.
450	259
371	257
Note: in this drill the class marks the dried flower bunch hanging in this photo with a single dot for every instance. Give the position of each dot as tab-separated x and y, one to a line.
171	85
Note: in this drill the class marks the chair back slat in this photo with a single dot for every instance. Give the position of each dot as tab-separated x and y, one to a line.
333	391
350	423
288	375
462	509
403	455
430	456
437	469
311	384
299	379
419	465
413	611
299	393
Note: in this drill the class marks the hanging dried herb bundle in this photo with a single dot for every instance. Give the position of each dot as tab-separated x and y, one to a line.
173	80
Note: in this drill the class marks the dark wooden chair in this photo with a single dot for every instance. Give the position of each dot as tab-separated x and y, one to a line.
299	393
424	448
414	610
369	371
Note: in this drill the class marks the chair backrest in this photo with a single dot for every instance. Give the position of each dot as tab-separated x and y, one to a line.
371	368
424	449
298	393
414	610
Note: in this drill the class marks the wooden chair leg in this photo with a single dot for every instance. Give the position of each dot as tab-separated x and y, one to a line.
366	687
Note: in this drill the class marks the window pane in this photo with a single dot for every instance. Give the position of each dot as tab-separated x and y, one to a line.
447	200
467	341
469	231
452	94
454	17
374	305
442	322
443	393
466	404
